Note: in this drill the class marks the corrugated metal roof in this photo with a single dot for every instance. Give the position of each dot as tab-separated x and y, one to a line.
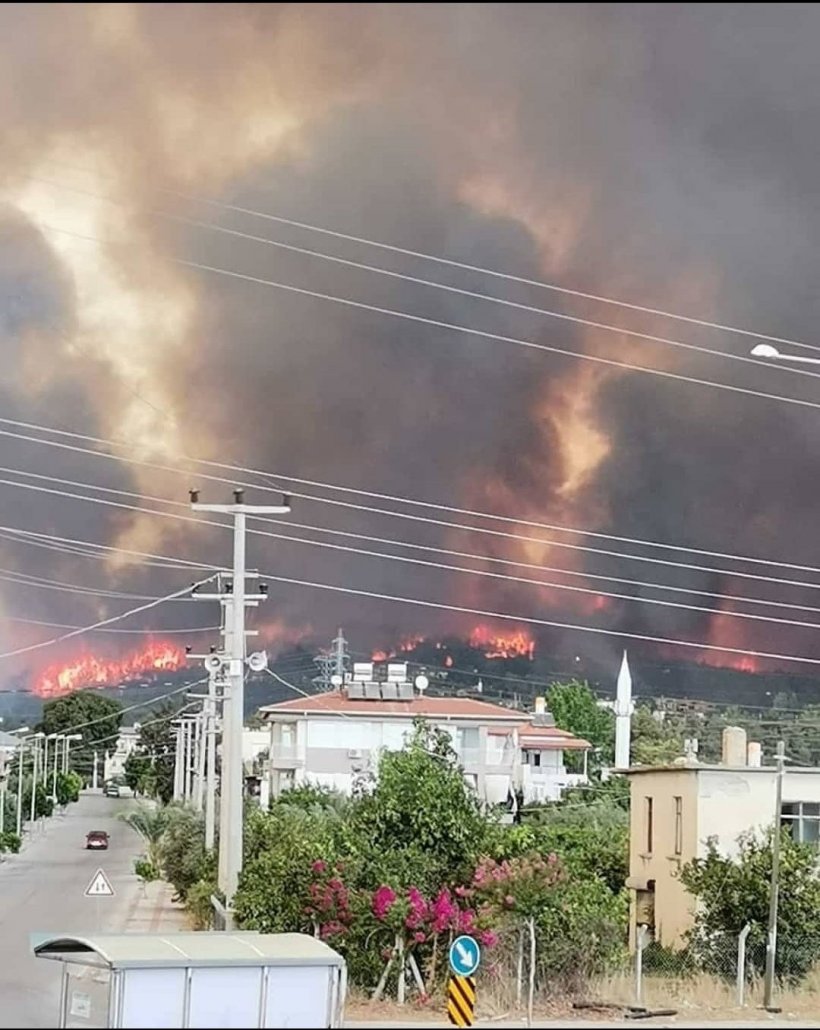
132	950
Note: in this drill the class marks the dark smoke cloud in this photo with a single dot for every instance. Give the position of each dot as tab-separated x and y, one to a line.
663	154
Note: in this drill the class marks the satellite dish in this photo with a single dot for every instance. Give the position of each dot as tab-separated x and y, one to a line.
258	661
422	683
213	663
336	680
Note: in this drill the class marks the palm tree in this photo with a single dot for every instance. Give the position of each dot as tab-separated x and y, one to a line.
151	823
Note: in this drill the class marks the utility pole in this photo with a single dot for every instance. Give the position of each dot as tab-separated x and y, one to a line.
210	771
178	763
199	752
36	755
20	756
774	891
188	728
232	798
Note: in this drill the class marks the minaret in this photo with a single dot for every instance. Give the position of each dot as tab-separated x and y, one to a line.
623	715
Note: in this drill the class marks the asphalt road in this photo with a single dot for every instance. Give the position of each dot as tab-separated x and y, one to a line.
42	890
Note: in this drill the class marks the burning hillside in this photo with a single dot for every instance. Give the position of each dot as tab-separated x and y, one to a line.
89	670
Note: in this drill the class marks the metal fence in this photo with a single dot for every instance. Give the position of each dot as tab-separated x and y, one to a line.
716	973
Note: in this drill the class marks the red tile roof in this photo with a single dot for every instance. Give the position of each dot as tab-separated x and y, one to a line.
547	738
337	703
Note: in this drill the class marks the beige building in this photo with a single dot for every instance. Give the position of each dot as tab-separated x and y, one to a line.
676	809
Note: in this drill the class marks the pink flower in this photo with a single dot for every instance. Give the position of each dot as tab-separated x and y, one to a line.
318	866
509	901
488	938
383	901
419	937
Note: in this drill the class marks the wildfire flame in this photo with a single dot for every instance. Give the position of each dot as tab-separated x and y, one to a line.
89	670
405	645
518	644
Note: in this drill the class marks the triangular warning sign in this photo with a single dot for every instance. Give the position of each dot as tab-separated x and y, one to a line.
99	887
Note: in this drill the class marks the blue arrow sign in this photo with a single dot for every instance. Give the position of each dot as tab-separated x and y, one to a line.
465	956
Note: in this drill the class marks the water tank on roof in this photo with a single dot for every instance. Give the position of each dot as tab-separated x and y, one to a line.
734	746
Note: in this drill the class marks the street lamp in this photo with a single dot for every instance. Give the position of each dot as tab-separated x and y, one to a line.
766	350
66	745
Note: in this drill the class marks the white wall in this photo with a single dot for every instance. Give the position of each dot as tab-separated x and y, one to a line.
730	802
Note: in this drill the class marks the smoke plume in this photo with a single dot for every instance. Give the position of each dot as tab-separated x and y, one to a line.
660	154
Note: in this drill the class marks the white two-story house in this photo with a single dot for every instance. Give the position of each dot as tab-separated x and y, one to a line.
331	738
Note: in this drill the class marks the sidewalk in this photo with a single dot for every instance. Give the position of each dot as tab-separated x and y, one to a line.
153	910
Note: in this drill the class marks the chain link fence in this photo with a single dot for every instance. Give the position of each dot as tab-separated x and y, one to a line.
717	973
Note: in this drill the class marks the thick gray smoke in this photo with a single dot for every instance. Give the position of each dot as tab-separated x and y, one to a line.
662	154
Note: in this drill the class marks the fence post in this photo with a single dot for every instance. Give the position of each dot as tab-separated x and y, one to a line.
741	965
641	941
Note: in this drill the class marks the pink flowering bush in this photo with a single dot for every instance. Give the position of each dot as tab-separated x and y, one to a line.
329	901
518	888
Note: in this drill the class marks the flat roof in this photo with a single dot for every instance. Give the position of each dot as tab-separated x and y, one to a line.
191	949
635	770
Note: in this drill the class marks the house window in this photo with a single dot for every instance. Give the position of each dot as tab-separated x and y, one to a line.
803	820
649	827
678	826
532	758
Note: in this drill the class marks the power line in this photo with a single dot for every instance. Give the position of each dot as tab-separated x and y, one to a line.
142	632
702	645
453	327
531	620
416	280
404	515
367	493
98	625
409	560
451	263
464	266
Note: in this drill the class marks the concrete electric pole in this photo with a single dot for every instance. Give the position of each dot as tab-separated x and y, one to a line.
232	795
774	890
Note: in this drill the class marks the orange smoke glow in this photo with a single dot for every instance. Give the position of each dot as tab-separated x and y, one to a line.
518	644
94	671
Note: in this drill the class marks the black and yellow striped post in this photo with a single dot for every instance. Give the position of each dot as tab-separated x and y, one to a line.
461	1000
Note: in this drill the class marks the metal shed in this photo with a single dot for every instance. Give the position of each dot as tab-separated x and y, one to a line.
196	980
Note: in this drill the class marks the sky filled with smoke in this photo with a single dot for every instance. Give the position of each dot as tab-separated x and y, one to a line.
659	154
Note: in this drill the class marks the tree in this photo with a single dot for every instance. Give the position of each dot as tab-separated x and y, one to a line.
654	741
184	859
149	769
151	823
88	712
69	786
734	892
421	819
575	708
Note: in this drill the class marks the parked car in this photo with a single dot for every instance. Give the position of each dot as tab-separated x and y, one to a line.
96	840
111	790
